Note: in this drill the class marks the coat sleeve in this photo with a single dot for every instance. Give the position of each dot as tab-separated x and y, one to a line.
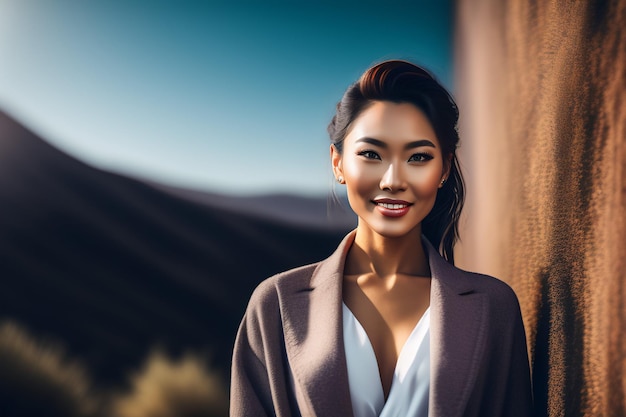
518	395
258	383
507	391
503	388
250	389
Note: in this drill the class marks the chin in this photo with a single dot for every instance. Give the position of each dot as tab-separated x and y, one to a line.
396	234
391	231
392	235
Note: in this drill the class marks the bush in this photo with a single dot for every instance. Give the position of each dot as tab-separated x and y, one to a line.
167	388
36	379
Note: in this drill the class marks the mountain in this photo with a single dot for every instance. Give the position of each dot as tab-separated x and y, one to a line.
110	266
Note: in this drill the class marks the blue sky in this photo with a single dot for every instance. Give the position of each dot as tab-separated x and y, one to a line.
230	97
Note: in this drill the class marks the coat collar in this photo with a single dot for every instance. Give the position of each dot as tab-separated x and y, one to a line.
312	321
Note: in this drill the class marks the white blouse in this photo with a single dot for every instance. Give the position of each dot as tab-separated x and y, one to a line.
408	395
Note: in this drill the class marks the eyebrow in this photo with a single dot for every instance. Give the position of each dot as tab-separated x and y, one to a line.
410	145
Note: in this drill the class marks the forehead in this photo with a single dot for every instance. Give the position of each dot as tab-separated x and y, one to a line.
393	123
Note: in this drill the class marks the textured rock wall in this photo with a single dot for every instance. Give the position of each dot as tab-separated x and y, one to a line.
542	92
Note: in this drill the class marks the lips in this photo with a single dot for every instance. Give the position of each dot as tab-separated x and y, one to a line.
392	208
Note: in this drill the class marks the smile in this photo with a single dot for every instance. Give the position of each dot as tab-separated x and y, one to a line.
392	208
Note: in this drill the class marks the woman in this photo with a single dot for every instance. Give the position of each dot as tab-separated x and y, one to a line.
387	326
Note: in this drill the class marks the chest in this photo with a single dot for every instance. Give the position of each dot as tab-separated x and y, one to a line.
388	314
410	386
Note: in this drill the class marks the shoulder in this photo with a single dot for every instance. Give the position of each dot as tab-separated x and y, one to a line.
270	293
500	294
491	285
462	282
267	294
262	320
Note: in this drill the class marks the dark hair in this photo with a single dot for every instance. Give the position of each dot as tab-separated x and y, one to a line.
403	82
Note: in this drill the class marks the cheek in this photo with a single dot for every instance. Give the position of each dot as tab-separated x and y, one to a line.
360	181
359	174
427	182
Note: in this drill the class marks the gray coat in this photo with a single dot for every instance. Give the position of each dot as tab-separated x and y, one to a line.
292	328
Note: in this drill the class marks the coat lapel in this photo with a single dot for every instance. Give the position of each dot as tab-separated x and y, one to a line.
458	335
312	322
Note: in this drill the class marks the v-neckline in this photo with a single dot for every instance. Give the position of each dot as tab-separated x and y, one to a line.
405	359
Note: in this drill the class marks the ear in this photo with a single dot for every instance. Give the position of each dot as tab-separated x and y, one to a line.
336	161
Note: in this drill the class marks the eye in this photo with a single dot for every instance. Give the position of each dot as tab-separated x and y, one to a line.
369	154
420	157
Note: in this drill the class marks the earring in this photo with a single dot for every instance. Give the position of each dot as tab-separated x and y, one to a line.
340	179
443	180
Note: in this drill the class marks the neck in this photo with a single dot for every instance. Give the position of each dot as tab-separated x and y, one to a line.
387	256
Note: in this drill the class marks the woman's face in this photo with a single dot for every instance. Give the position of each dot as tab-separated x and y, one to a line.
392	166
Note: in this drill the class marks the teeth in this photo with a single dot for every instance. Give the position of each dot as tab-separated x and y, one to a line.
392	206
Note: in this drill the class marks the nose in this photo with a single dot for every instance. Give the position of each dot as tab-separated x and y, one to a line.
393	179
